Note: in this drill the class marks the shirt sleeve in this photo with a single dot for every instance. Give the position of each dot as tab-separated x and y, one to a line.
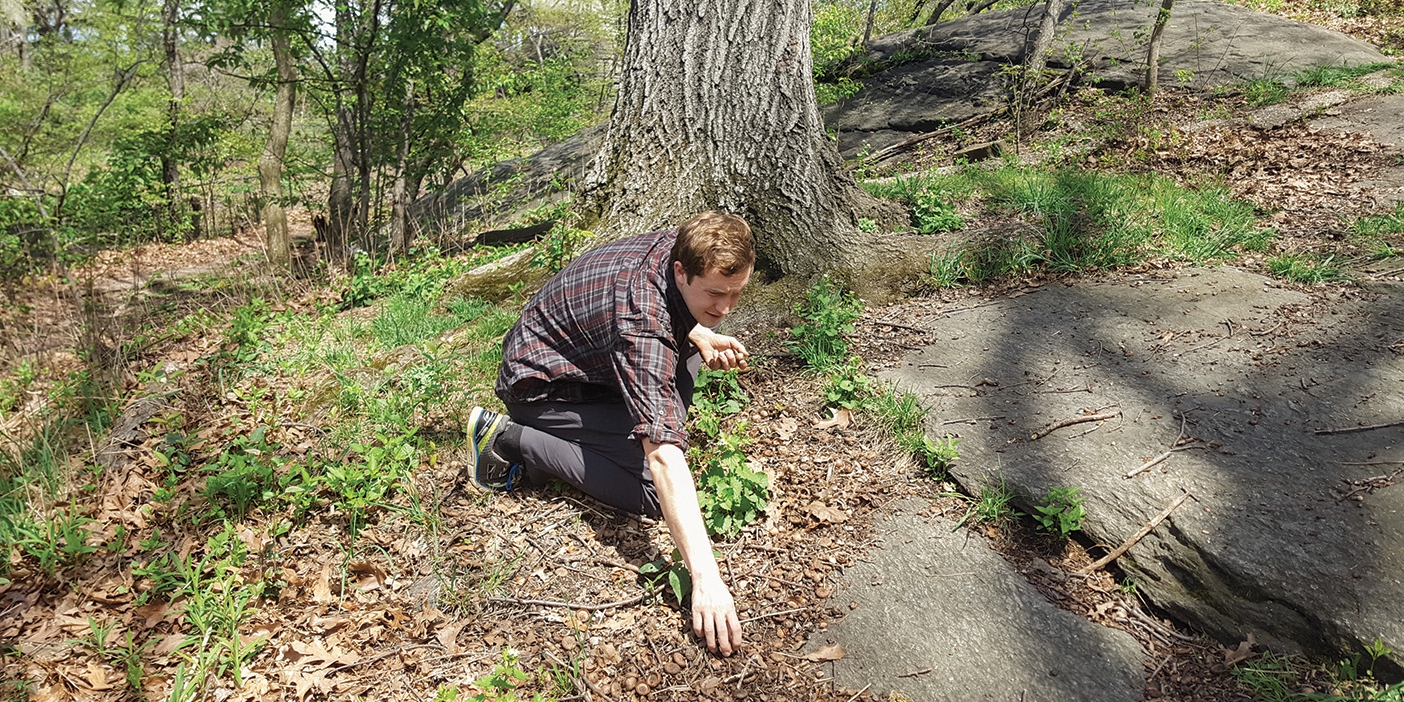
645	362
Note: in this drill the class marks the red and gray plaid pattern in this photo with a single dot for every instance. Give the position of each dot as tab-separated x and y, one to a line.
612	324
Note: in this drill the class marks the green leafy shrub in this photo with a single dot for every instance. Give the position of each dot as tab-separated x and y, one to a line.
729	492
828	312
1060	512
244	475
939	455
932	214
718	394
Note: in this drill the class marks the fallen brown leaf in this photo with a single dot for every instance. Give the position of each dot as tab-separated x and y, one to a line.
825	653
841	420
825	513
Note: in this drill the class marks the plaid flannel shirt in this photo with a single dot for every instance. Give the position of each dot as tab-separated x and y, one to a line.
613	325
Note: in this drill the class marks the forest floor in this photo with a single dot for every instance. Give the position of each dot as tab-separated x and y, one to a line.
412	607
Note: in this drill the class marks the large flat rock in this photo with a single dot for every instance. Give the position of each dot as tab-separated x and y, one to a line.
1284	539
957	63
930	599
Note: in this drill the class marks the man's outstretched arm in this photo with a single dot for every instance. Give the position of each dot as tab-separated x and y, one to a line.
713	610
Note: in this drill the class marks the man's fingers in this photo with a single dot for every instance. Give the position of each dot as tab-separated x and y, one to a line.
709	623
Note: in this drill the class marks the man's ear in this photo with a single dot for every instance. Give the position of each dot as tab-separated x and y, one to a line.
681	273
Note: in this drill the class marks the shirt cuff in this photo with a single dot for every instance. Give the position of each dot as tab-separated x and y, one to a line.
660	434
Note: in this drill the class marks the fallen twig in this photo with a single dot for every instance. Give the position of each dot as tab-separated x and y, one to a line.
915	673
1351	430
1148	528
894	325
1158	460
971	420
1075	420
859	693
772	614
570	605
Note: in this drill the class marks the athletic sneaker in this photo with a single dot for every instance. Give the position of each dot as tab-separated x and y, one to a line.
490	470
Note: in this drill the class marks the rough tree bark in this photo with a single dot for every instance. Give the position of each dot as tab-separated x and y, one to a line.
1047	29
716	110
1153	54
401	234
270	165
175	74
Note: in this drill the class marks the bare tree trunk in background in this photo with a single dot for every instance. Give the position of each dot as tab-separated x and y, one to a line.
868	30
984	5
341	205
401	238
716	110
175	73
940	10
1153	55
270	166
1047	29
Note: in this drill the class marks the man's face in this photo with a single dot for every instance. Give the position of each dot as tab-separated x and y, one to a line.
712	296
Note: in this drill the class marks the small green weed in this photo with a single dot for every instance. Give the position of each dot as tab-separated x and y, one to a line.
671	571
1265	91
1270	677
939	455
501	684
244	474
1060	512
948	268
559	246
992	506
903	415
828	313
1304	268
847	386
932	214
1388	223
1337	76
717	396
867	225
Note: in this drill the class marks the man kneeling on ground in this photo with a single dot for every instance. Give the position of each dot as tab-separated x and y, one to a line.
597	376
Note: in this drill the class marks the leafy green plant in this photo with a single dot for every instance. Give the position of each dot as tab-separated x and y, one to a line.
501	684
246	330
939	455
828	313
671	571
1060	512
1265	91
992	506
932	214
244	474
559	246
1304	268
867	225
718	395
357	487
847	386
1270	677
1388	223
729	492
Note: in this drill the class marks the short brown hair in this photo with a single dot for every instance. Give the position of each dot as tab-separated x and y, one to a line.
713	241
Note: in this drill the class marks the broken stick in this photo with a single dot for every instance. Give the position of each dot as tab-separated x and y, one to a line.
1148	528
1350	430
1075	420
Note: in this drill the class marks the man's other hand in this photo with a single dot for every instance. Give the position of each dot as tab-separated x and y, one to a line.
719	351
714	617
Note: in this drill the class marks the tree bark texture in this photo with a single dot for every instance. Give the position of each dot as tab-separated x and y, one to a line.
175	73
1162	18
401	235
270	165
341	198
1047	28
716	110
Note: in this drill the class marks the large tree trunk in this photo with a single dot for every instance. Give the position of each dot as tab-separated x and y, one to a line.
1047	28
341	199
270	166
940	10
1153	54
175	73
716	110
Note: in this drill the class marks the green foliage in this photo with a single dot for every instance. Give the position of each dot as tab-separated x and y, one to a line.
931	214
1388	223
938	455
1088	220
672	571
421	274
1270	677
718	395
246	330
1265	91
244	475
847	386
1338	76
1060	512
1305	268
559	246
729	492
357	487
867	225
828	313
992	506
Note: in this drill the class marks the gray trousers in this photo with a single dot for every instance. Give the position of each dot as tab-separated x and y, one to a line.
587	445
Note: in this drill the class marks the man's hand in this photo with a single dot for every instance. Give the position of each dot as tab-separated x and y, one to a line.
713	609
719	351
714	617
